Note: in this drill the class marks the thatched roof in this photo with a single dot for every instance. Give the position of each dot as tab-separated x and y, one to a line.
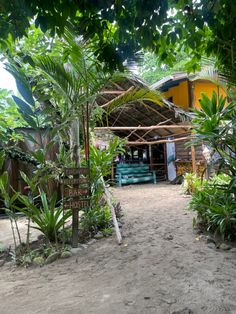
142	113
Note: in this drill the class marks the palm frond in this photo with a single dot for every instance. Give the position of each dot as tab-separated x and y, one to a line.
22	83
63	78
133	94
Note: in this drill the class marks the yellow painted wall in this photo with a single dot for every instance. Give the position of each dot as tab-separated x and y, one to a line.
207	88
179	94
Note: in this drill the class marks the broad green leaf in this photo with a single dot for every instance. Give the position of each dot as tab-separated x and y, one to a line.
23	106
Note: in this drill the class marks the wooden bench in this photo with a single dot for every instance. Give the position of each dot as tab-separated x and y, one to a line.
134	173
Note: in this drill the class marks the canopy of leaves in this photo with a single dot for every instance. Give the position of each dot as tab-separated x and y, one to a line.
119	29
206	27
151	70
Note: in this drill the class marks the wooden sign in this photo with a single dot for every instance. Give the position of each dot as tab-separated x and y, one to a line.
76	171
78	181
77	204
76	190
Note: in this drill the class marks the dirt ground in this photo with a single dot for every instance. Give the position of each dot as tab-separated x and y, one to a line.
162	267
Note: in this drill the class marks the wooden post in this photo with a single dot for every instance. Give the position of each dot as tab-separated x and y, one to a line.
75	227
110	205
165	161
75	151
113	214
112	173
150	156
193	152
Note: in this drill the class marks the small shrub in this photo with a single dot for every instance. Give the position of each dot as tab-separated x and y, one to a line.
215	206
95	219
191	183
48	217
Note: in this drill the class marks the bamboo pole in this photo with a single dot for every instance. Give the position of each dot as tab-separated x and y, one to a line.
109	203
144	128
113	214
194	166
159	141
116	98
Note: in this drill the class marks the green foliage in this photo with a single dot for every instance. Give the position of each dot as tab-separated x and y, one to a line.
215	201
9	201
136	94
152	68
101	159
47	215
191	182
119	30
96	218
216	208
9	119
215	125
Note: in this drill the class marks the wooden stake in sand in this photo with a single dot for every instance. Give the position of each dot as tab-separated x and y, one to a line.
109	203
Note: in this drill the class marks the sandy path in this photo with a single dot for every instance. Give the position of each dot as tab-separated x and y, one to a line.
149	273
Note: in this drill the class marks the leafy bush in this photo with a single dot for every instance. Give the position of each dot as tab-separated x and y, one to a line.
47	216
216	208
191	182
96	218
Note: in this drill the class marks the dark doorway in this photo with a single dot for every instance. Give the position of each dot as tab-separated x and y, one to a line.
158	160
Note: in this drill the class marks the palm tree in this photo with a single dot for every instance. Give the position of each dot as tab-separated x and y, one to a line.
77	82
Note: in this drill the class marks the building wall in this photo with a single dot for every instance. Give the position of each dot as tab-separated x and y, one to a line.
206	87
179	95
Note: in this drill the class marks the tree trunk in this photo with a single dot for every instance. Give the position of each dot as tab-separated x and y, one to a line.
75	141
75	156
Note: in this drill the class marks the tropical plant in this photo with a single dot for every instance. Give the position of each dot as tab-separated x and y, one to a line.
47	216
191	182
215	125
9	201
101	159
95	219
215	202
215	207
60	95
9	119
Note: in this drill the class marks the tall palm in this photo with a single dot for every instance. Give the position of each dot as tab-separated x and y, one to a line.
78	81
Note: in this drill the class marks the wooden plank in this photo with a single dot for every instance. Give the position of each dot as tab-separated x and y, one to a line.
76	181
77	204
74	192
76	171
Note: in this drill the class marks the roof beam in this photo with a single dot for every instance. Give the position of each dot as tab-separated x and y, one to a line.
112	92
159	141
116	98
144	128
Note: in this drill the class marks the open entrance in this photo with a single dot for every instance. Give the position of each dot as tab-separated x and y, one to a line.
152	155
